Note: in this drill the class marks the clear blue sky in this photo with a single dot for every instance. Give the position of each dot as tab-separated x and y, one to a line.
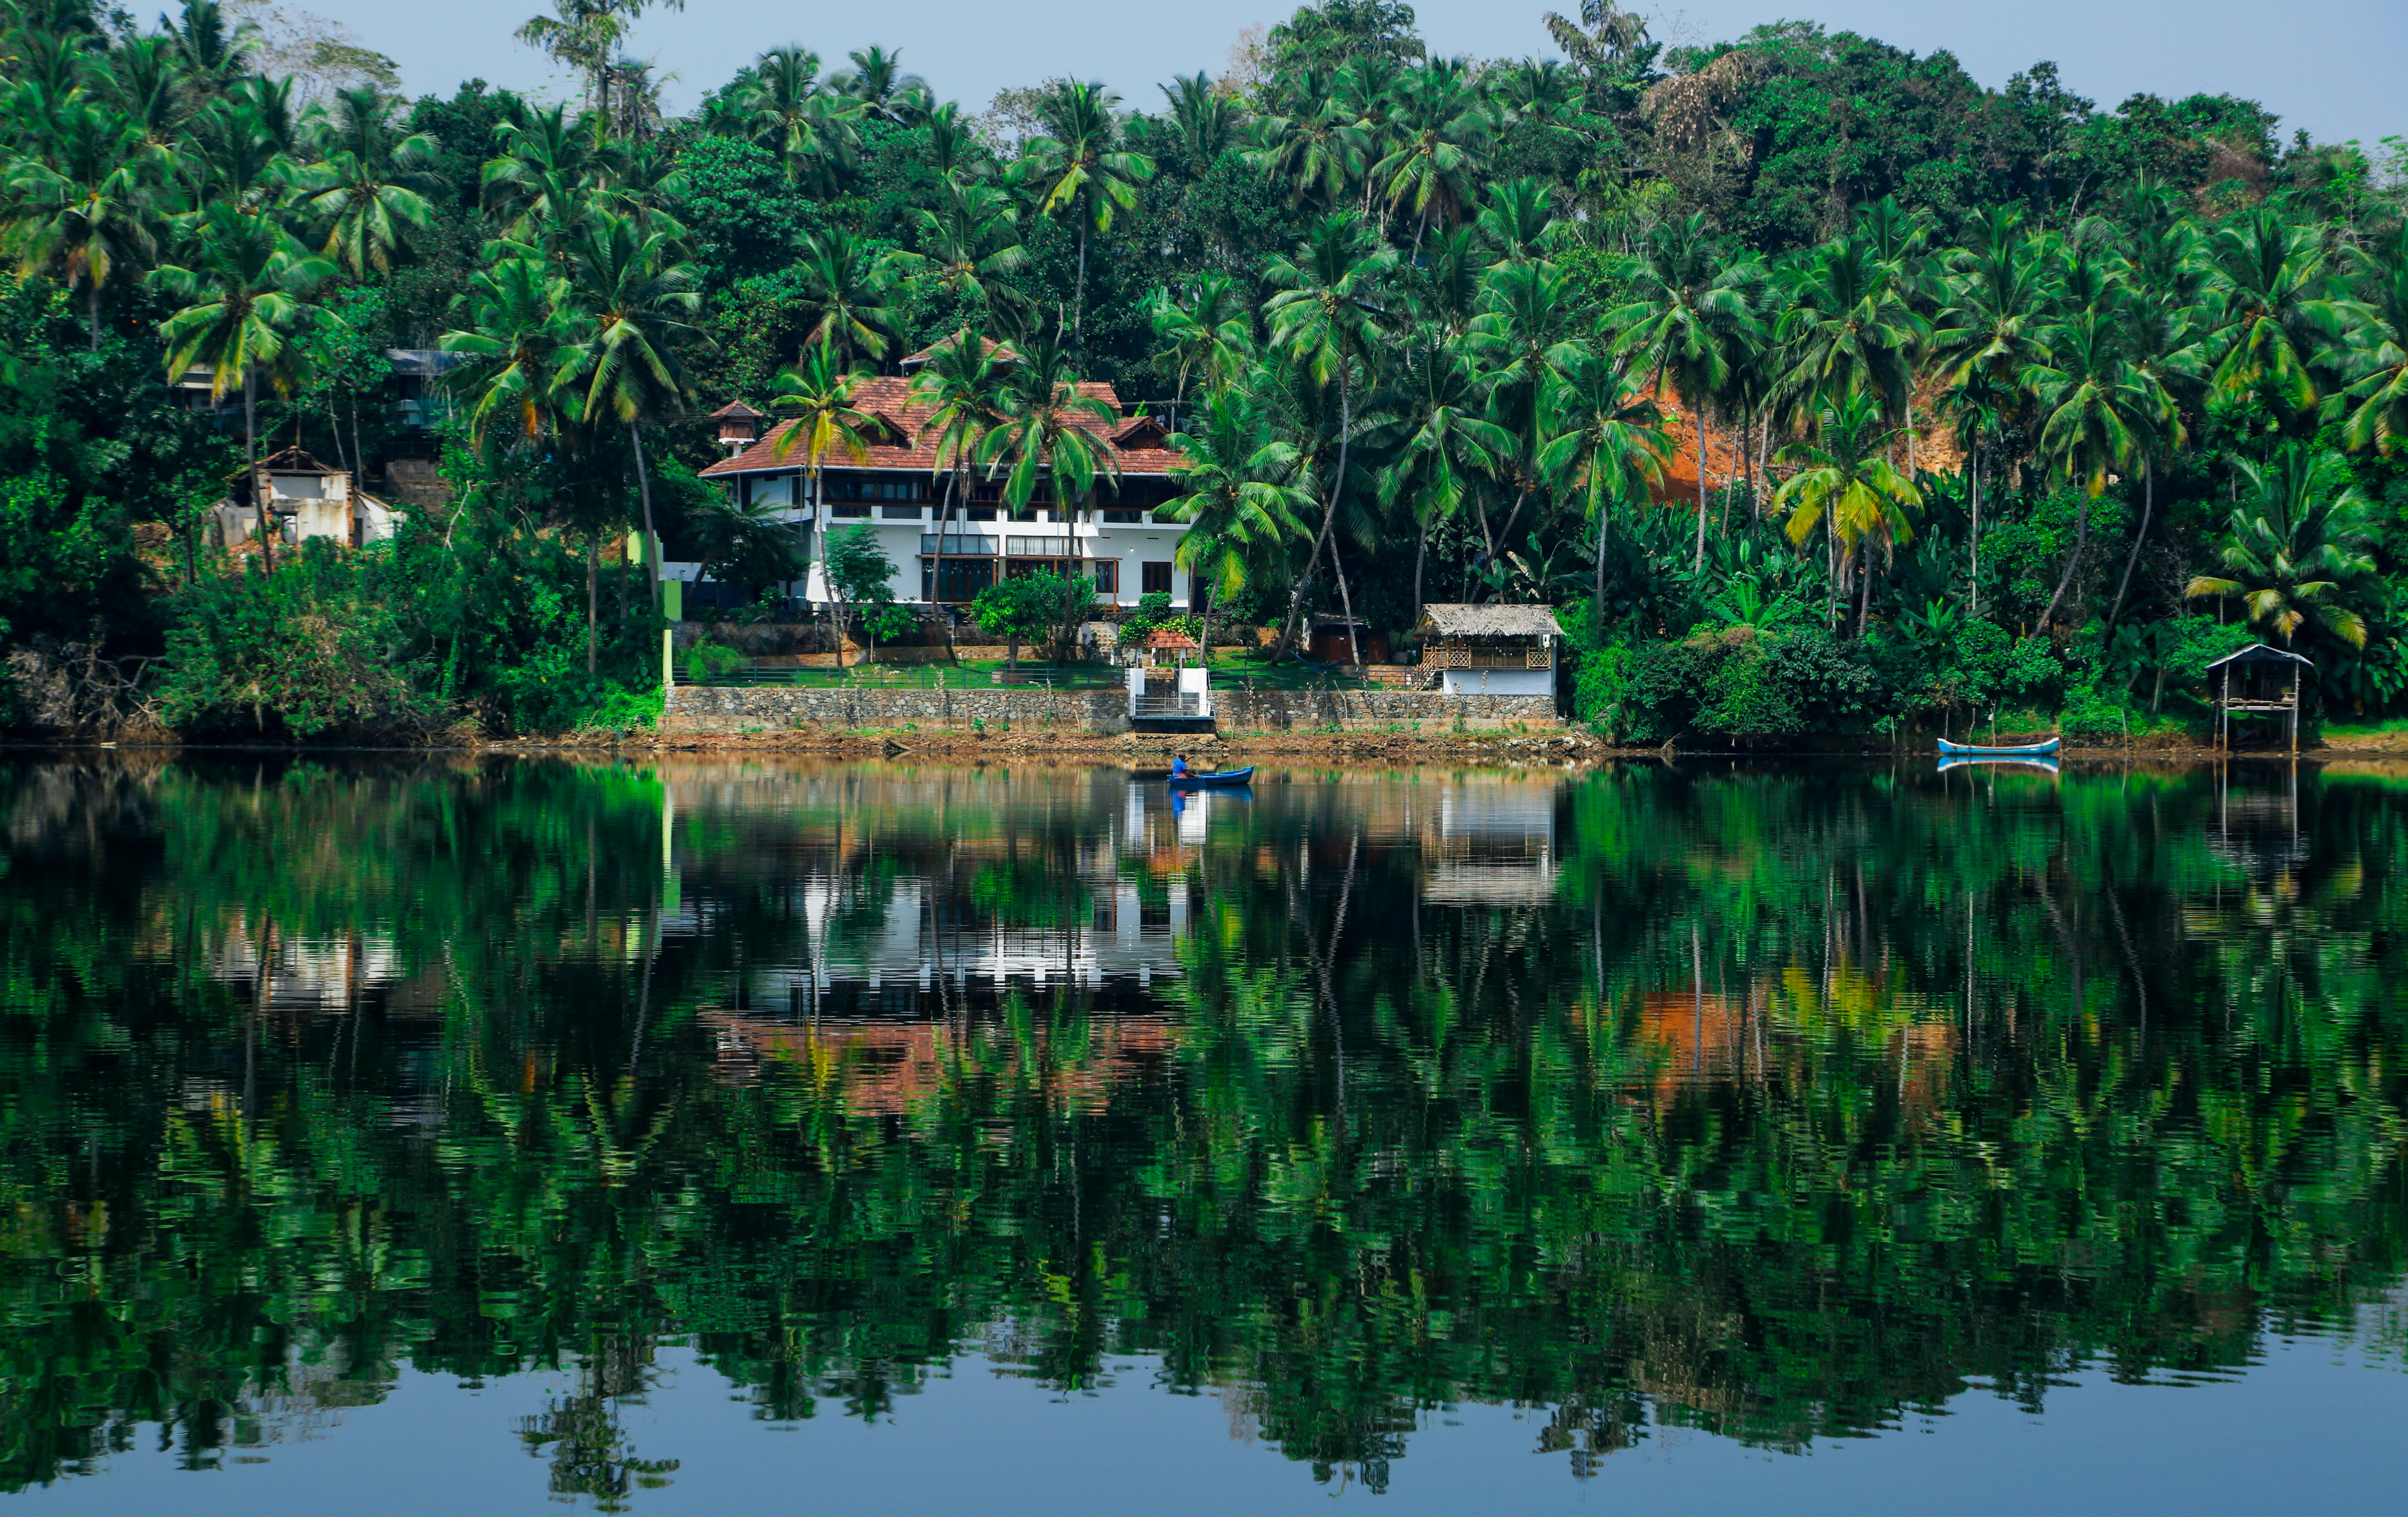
2332	67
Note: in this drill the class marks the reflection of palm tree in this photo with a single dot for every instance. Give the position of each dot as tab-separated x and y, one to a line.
2297	550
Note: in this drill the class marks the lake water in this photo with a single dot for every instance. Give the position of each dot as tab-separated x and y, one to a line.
379	1136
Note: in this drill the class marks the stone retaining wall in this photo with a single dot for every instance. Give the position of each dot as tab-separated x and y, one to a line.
737	709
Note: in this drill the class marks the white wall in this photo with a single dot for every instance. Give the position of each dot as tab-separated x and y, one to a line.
1499	682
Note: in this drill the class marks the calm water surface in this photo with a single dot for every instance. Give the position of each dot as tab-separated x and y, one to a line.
382	1136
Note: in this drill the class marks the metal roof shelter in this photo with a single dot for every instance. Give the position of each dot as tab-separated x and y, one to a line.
2251	682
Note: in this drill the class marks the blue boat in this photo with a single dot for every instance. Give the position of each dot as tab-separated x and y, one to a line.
1219	780
1974	750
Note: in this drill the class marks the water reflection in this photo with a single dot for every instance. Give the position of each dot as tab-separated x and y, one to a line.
1773	1103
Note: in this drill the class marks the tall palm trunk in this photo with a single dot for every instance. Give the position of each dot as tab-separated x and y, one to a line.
1328	513
1421	556
1699	562
644	489
1973	541
593	593
2131	560
1346	599
1079	293
92	309
2072	561
259	498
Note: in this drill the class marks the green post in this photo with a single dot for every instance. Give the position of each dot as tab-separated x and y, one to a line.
673	607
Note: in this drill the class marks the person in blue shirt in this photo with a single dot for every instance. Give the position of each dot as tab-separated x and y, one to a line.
1179	766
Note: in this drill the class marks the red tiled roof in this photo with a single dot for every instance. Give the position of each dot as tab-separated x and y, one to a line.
737	410
889	398
1164	637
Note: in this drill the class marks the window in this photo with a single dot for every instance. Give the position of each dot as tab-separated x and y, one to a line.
890	487
1122	518
848	512
899	513
1107	576
1157	579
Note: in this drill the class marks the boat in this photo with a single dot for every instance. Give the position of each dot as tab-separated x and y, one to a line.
1976	750
1219	780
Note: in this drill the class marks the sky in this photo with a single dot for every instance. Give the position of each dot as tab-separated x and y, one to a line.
2331	69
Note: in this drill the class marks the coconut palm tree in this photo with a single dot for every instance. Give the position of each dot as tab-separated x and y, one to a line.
1312	144
1443	127
1238	496
1689	313
1849	329
1447	438
885	91
961	384
2274	286
540	183
1846	483
1205	118
245	311
1209	332
88	210
1520	340
821	392
785	108
641	305
1050	427
2374	399
1605	441
1080	170
370	181
2298	549
1328	316
845	281
2096	411
969	241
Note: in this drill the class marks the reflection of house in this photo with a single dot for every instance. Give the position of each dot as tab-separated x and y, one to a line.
948	550
889	1068
1491	650
1495	844
307	499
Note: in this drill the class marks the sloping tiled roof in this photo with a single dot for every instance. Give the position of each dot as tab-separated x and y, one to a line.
294	460
1492	621
735	410
1166	637
889	398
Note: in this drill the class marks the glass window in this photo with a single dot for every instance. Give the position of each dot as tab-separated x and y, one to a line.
899	513
848	512
1156	579
1108	575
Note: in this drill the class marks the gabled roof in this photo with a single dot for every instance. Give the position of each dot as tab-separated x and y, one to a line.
889	398
1492	621
1142	432
2258	653
294	460
1001	352
736	411
1169	637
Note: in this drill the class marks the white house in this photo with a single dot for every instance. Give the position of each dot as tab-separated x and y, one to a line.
307	500
946	553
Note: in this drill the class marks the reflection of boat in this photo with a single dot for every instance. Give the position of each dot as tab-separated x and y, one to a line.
1973	750
1985	762
1219	780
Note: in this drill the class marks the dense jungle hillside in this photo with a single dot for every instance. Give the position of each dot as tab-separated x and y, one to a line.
1827	391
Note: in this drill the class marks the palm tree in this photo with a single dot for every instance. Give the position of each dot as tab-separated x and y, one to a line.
538	184
2299	549
1849	329
821	392
1328	316
2375	362
245	313
2095	411
1688	314
1080	170
1238	496
1204	116
1211	330
1447	438
1050	427
523	325
369	182
961	384
1520	335
640	305
783	108
2273	298
1844	481
885	91
845	281
1443	129
91	209
1312	145
1519	221
1604	438
1978	405
969	243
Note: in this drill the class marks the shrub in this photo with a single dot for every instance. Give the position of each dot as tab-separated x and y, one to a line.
1746	685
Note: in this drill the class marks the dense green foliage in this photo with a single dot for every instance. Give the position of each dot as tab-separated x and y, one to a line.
1774	1105
1960	363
